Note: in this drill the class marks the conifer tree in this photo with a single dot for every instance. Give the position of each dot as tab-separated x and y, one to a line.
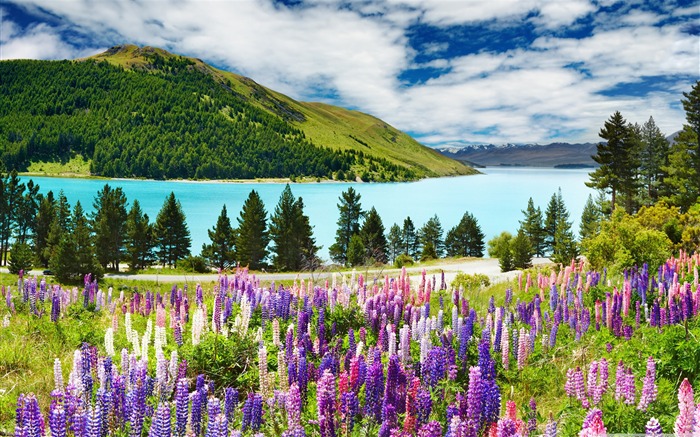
221	253
533	227
74	256
109	226
590	219
294	247
430	236
617	158
252	235
394	242
466	238
411	244
373	239
11	190
139	238
21	257
44	217
27	209
653	158
60	225
172	235
348	224
356	251
521	249
683	170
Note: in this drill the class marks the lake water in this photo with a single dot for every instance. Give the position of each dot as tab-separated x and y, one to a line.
496	198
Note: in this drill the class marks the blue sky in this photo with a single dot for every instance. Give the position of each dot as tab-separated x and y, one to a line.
448	72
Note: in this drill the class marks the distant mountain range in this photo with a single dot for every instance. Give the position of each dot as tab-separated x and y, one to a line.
558	155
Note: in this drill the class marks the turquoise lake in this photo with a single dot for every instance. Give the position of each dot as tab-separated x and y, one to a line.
496	198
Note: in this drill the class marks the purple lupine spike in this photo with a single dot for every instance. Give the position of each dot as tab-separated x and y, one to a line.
474	399
160	425
213	411
532	416
198	398
57	421
550	430
293	407
181	407
230	402
325	398
256	412
388	420
431	429
424	405
653	428
649	390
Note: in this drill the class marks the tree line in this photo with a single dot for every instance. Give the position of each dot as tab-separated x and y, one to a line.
647	207
167	120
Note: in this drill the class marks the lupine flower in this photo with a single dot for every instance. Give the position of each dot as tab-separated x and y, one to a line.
593	424
181	407
431	429
550	430
686	410
649	389
293	407
160	425
57	421
325	397
653	428
474	399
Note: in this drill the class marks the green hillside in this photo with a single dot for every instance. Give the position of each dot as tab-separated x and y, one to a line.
143	112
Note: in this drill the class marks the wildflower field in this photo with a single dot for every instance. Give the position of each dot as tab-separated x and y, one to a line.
559	351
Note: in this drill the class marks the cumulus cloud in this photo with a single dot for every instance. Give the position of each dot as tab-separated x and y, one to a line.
353	53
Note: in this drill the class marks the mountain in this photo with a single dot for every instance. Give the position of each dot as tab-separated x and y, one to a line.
144	112
560	155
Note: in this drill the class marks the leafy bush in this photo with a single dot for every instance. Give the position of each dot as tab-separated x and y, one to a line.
470	281
195	264
403	260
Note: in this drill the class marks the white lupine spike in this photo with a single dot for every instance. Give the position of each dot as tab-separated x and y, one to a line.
57	375
109	341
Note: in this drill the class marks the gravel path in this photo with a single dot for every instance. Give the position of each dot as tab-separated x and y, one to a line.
485	266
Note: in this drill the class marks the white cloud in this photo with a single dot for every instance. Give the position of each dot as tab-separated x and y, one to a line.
359	52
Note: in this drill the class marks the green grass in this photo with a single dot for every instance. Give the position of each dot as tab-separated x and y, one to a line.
76	166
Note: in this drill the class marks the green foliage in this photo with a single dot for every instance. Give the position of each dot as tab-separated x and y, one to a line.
411	244
521	250
294	247
394	242
109	226
348	225
196	264
164	120
74	256
497	245
466	238
373	239
624	242
221	253
140	239
172	236
590	219
470	281
21	257
228	361
356	251
430	237
618	161
533	227
403	260
252	237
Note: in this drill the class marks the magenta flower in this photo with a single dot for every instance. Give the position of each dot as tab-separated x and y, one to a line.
649	389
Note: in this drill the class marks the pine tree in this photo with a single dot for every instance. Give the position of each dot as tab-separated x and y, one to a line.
221	253
109	226
74	255
44	217
294	247
356	251
505	261
60	225
348	224
533	227
11	190
21	257
590	219
172	236
617	158
395	242
521	250
466	238
27	210
683	170
139	239
653	158
550	223
373	239
252	234
431	234
411	244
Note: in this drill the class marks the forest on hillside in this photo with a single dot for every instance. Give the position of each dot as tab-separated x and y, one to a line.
169	120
